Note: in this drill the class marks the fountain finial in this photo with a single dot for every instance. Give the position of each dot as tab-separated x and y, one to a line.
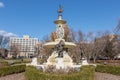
60	10
60	20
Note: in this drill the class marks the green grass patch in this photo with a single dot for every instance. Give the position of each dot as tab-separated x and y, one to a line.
108	69
12	69
86	73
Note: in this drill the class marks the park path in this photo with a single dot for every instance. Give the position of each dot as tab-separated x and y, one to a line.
98	76
19	76
105	76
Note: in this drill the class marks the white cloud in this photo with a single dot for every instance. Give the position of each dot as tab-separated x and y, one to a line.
7	34
2	32
10	34
1	4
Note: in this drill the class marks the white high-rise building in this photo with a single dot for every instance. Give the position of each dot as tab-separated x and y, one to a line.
25	47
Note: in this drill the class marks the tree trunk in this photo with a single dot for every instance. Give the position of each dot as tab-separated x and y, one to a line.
94	59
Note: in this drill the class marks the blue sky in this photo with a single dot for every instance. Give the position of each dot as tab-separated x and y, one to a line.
35	17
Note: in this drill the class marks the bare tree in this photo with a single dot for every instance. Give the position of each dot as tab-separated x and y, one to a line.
81	36
79	40
98	48
89	45
3	53
82	44
117	29
117	32
111	49
14	50
1	40
67	33
45	51
99	44
3	45
72	36
4	41
46	38
104	45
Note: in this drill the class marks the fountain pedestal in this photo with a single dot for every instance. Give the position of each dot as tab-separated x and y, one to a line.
59	62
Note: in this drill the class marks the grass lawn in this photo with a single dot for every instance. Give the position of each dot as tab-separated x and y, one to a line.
86	73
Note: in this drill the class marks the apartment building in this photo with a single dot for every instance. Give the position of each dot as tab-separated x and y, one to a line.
23	47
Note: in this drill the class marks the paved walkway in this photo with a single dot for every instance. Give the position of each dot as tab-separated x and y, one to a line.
98	76
104	76
19	76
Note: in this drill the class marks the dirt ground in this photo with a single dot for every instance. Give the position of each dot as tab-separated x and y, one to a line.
19	76
105	76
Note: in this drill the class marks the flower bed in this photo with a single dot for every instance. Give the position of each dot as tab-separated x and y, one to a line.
86	73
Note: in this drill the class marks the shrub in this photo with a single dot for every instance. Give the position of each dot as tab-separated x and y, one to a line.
18	61
86	73
11	69
27	60
3	63
108	69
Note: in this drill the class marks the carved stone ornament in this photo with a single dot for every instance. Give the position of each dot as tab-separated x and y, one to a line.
60	32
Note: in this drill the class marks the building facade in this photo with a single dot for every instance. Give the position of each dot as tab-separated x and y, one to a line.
23	47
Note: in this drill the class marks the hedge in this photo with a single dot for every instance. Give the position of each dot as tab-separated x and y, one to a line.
3	63
12	69
86	73
108	69
27	60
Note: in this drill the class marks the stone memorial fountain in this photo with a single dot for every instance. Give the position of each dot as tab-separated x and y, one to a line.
59	57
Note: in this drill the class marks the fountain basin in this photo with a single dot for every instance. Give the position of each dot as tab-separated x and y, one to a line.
52	45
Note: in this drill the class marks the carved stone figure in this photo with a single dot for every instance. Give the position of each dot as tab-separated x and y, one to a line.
59	48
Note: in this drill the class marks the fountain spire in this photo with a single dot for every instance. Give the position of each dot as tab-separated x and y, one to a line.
60	23
60	12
